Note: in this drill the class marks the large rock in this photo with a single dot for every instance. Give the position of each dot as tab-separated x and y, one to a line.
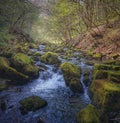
8	72
71	75
88	115
106	95
107	71
20	60
24	64
32	103
31	70
50	58
105	87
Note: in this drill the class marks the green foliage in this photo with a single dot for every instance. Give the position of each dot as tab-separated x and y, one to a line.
5	37
18	14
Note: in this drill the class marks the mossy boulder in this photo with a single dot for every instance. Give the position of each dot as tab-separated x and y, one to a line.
19	60
108	72
24	64
88	115
71	75
37	54
50	58
8	72
33	46
32	103
31	70
106	95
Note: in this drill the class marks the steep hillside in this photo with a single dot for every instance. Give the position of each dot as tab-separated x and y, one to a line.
103	40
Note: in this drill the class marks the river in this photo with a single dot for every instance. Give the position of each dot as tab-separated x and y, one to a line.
63	104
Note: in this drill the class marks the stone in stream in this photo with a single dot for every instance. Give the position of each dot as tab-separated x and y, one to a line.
24	64
32	103
3	105
88	115
86	78
6	71
50	58
71	75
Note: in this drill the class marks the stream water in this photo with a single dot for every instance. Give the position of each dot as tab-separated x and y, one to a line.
63	104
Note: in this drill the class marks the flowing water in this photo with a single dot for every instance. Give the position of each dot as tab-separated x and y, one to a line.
63	104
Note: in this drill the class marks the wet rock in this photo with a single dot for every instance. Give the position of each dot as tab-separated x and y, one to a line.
24	64
40	120
105	86
20	60
8	72
105	71
31	103
86	80
71	75
88	115
31	70
105	94
3	105
50	58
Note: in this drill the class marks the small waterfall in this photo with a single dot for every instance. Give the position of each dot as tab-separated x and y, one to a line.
85	88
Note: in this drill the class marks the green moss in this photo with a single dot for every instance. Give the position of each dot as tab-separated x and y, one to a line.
20	60
33	46
37	54
71	69
31	70
3	87
32	103
90	53
114	76
9	72
3	62
115	55
102	67
88	115
75	85
24	64
111	62
106	67
71	75
106	95
100	74
106	71
50	58
98	55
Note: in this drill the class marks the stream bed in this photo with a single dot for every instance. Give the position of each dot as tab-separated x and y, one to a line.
63	104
